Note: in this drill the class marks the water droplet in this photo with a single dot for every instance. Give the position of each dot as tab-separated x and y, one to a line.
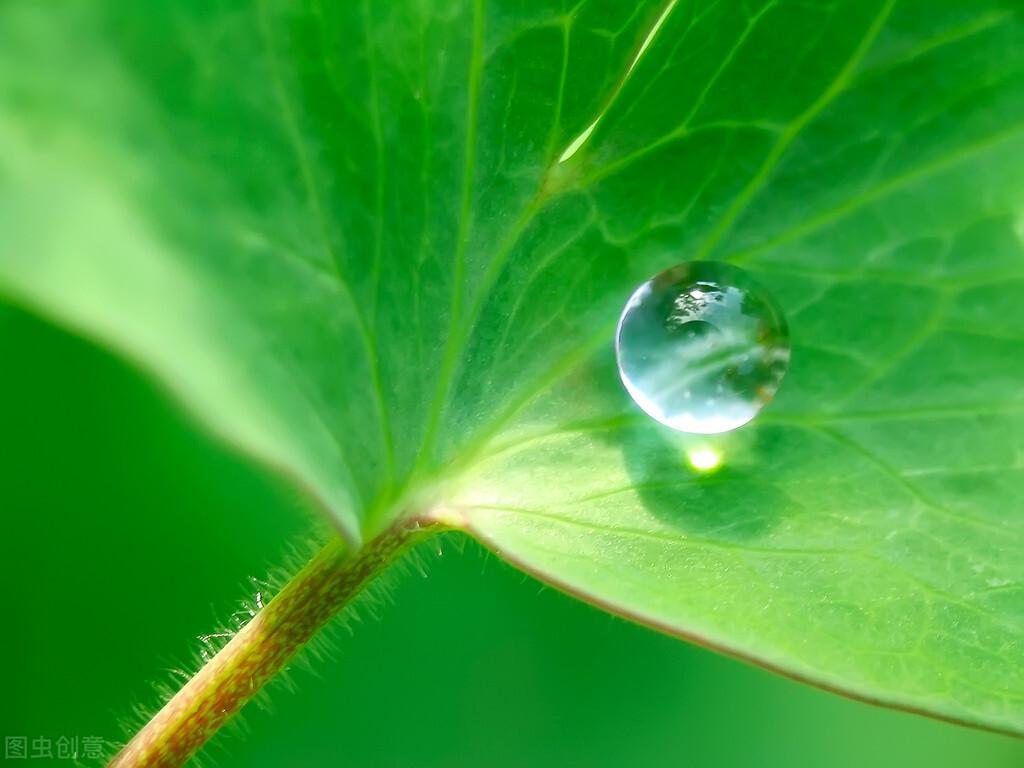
702	347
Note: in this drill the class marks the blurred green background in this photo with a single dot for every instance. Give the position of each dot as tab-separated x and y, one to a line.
126	532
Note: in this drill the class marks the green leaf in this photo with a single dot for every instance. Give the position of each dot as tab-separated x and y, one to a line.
381	247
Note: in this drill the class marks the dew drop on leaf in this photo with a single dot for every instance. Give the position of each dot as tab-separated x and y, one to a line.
702	347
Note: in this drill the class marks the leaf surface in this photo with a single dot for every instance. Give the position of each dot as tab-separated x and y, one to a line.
382	247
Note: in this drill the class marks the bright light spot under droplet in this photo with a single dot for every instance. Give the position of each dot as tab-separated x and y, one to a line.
1018	225
704	459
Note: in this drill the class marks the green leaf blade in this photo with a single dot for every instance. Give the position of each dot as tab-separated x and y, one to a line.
382	248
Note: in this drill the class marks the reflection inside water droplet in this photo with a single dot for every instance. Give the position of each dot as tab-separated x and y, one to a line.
702	347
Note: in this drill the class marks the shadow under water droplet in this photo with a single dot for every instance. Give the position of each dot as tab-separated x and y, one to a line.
736	502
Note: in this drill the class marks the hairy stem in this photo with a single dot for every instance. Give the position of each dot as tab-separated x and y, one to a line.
259	651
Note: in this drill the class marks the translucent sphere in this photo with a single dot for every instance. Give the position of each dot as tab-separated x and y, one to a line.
701	347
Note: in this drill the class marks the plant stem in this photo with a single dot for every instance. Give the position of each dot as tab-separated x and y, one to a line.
260	650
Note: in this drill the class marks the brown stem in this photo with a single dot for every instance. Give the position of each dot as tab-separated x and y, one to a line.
259	651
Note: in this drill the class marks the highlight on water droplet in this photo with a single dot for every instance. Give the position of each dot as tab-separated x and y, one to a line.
702	347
